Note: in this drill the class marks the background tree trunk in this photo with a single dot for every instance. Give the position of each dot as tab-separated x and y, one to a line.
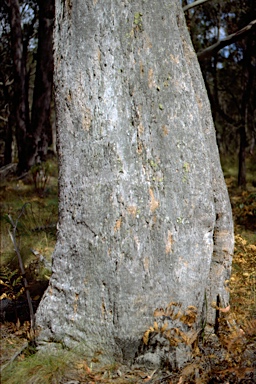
145	218
40	130
19	73
8	142
9	124
249	72
32	134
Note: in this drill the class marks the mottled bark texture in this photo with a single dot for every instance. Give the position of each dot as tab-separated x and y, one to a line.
145	218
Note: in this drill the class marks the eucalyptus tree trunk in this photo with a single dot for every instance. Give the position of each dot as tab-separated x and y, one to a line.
145	218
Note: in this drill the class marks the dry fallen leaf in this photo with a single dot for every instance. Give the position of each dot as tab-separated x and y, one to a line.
224	310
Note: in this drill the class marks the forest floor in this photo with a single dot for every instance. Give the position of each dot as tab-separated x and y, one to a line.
29	210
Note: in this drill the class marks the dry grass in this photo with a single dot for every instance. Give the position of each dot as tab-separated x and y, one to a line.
35	212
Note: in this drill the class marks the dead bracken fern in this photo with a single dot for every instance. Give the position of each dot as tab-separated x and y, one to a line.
174	334
225	357
242	283
236	339
250	329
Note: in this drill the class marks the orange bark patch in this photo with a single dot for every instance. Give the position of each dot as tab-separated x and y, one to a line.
118	225
139	148
199	102
146	264
165	130
140	129
75	306
174	59
69	96
150	78
132	209
168	247
154	204
147	42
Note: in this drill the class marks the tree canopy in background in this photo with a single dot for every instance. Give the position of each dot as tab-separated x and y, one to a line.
224	36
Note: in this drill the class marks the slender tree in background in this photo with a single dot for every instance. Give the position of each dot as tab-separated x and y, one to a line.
6	90
145	218
20	106
40	127
32	114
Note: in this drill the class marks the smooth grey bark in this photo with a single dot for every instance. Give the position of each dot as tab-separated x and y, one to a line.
145	218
